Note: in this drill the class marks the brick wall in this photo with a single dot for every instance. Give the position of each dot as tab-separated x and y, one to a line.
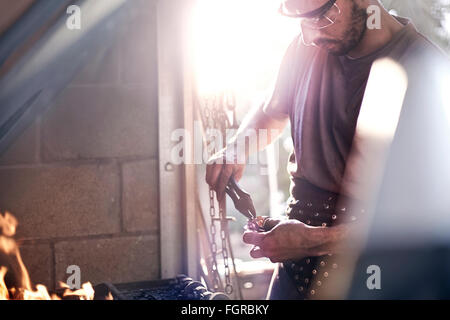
83	179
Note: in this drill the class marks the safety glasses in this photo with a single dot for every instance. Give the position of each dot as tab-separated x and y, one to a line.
317	19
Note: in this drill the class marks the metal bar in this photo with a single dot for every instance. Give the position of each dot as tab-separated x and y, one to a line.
237	277
190	172
171	100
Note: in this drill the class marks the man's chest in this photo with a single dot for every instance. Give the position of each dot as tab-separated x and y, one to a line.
327	98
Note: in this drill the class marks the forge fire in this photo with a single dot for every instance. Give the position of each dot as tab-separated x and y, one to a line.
15	282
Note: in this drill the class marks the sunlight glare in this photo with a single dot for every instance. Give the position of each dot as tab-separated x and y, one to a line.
239	44
383	99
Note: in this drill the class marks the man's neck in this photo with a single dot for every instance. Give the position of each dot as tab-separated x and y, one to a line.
374	39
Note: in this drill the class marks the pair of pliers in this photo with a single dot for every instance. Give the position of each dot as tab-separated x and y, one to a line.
241	199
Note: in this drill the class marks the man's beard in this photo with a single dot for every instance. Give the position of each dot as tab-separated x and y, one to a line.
353	35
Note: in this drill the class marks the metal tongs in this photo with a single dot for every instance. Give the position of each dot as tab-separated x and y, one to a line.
244	204
242	200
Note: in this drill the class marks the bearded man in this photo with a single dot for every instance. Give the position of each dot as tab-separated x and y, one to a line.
319	90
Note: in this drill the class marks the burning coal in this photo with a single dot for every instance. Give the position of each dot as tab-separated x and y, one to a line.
15	283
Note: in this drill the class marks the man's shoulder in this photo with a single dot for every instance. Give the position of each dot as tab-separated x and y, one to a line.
428	70
427	48
422	53
411	43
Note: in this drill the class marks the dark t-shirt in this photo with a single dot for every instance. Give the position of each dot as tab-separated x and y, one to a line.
322	96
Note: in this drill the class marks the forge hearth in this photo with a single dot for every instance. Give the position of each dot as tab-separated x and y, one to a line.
179	288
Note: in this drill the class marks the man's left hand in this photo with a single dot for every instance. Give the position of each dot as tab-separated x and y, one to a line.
288	240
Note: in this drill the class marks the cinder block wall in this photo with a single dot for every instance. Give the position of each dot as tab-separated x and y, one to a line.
83	179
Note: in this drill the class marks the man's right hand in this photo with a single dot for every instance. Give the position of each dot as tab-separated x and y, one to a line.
219	169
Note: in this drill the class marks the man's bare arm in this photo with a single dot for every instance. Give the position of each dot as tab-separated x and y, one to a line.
257	120
293	240
338	239
220	168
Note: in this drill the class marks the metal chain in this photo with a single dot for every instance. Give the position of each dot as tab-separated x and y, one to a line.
223	236
224	121
212	213
215	117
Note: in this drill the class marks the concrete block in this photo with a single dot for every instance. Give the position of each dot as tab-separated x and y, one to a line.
88	123
23	150
62	201
38	260
140	196
116	260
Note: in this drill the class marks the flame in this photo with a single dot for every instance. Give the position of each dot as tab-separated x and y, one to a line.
25	291
4	294
8	224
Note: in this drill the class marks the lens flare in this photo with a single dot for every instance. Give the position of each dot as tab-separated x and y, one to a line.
238	44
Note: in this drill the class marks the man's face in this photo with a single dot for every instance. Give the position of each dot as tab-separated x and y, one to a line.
340	37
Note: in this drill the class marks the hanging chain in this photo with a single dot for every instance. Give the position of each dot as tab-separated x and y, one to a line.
224	121
209	122
212	213
230	104
223	236
215	117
